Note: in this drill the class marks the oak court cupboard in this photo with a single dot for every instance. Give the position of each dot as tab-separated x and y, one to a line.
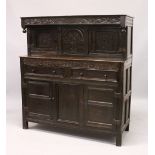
77	73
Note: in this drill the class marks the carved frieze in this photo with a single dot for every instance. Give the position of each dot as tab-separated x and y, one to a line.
70	64
70	20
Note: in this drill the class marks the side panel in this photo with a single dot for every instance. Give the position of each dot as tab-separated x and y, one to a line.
127	89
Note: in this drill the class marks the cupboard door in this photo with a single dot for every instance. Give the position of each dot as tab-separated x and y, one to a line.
99	108
107	41
41	40
39	99
69	100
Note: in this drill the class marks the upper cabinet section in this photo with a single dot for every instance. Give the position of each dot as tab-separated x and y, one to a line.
102	35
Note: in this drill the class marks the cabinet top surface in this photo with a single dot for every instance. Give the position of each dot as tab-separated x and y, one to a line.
68	16
77	58
122	20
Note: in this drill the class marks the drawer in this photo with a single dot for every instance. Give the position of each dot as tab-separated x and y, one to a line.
56	72
110	75
81	74
106	75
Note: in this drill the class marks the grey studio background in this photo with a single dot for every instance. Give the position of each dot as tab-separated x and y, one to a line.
17	138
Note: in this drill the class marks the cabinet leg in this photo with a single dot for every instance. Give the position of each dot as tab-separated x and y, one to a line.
127	128
119	139
25	124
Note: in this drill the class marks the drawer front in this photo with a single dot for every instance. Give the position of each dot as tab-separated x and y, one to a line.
58	72
76	74
95	75
73	70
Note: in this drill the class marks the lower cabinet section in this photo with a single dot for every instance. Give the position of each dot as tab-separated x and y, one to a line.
72	105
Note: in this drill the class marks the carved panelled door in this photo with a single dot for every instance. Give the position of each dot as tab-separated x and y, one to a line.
99	107
39	103
69	103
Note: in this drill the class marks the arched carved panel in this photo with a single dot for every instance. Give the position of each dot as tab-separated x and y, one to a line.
74	40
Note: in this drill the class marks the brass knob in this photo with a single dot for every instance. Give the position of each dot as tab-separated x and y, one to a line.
53	98
33	70
105	76
81	74
53	71
123	30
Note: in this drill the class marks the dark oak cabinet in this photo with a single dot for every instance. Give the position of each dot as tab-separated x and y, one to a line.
78	73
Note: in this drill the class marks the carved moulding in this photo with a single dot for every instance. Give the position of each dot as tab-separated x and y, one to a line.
71	64
69	20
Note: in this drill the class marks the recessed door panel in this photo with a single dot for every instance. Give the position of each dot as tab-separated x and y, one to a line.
68	103
99	107
43	39
39	88
107	41
39	105
39	94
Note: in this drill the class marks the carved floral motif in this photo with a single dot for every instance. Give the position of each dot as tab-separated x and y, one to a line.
73	40
70	64
70	20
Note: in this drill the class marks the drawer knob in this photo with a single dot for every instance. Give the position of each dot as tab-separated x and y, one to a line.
123	30
33	70
53	71
53	98
105	76
81	74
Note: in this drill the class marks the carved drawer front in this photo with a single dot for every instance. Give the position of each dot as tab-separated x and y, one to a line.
99	107
43	70
95	75
39	96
